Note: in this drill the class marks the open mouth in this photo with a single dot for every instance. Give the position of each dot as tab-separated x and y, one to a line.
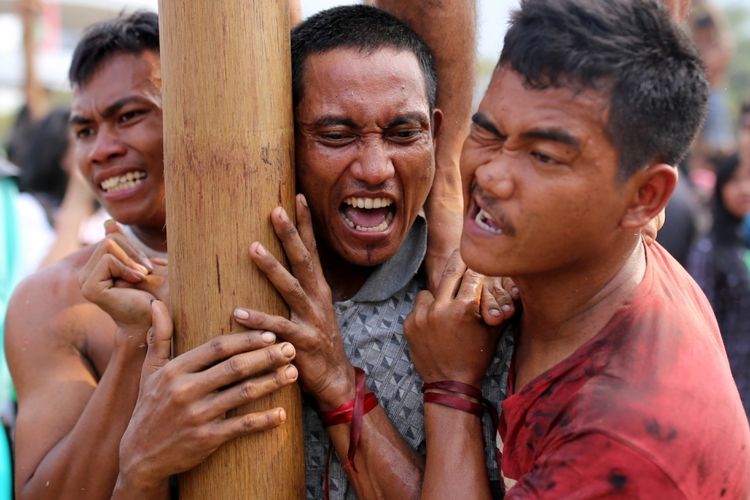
485	221
368	215
120	182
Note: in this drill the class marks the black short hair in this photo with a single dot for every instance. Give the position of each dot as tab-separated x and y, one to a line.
359	27
132	34
631	49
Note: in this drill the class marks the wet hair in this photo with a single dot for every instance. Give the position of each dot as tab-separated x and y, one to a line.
42	170
630	49
130	34
362	28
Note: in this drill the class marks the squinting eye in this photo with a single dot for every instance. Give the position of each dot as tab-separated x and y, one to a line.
129	116
544	158
83	133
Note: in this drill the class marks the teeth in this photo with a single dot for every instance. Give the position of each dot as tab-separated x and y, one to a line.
368	203
380	227
120	182
482	220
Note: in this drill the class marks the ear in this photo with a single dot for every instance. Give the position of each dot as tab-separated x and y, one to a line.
652	188
437	122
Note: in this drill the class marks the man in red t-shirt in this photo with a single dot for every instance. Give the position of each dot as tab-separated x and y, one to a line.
620	383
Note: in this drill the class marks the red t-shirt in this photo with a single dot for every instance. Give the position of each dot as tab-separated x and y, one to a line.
647	408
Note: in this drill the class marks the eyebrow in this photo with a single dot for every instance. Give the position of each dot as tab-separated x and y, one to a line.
555	135
550	134
109	111
408	118
482	121
330	121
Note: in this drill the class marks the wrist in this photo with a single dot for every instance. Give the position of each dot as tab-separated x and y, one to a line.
128	486
338	392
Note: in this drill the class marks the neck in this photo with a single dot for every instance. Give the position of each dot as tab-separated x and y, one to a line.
344	278
153	238
564	311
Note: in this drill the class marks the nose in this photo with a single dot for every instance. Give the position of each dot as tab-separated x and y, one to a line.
373	164
107	145
495	177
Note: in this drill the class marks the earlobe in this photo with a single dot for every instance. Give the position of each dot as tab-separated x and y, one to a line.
652	190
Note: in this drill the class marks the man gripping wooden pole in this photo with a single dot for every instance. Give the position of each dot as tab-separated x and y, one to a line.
228	139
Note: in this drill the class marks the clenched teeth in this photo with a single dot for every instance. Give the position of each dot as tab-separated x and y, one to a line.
485	221
120	182
375	229
368	203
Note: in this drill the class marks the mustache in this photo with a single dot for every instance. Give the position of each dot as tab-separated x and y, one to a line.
486	203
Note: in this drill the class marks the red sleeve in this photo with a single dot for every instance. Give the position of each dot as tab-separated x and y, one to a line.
594	466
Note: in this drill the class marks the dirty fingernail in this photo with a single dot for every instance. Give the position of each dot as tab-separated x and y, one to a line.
495	312
291	372
241	313
260	250
287	349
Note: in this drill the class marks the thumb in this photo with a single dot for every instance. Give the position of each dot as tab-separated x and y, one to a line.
159	338
112	227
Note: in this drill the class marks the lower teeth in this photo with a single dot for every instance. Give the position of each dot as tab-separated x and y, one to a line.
480	219
380	227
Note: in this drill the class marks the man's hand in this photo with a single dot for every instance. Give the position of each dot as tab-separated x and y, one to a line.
122	280
447	338
325	370
180	417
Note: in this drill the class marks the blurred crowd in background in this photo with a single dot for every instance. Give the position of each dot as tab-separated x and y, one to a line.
49	211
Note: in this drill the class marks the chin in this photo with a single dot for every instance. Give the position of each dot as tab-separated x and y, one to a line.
480	261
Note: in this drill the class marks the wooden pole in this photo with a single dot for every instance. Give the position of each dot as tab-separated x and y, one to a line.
228	142
34	94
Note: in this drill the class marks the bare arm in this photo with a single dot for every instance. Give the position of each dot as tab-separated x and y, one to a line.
449	28
388	467
449	341
69	420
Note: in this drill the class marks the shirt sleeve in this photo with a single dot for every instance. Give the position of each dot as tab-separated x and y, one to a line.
594	466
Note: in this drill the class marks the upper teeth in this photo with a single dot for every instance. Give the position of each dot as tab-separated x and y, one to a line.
481	219
368	203
118	182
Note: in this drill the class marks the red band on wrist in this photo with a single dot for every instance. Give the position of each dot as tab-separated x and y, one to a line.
476	407
352	412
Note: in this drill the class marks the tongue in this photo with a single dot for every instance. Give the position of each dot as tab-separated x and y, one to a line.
366	218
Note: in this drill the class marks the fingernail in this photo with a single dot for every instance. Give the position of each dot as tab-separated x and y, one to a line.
260	250
241	314
282	415
147	263
282	215
268	337
288	350
507	308
302	200
291	372
139	275
495	312
514	291
141	269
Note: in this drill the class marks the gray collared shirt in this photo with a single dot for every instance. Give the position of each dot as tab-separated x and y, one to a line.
371	324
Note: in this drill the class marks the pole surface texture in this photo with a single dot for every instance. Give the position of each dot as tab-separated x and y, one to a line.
228	139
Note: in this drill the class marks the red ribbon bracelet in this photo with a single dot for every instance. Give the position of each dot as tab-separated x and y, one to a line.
476	407
350	412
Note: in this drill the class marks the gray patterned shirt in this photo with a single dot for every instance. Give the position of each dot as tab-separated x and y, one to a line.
371	324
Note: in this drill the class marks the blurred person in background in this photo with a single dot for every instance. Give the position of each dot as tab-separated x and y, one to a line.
719	263
55	201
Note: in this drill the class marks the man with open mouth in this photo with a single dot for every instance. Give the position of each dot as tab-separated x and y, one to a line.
619	384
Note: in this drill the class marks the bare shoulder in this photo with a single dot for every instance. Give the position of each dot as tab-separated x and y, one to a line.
47	315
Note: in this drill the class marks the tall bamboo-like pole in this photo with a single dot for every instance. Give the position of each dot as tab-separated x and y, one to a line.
228	142
34	94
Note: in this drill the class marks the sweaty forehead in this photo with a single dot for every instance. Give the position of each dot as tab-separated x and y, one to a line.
349	80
